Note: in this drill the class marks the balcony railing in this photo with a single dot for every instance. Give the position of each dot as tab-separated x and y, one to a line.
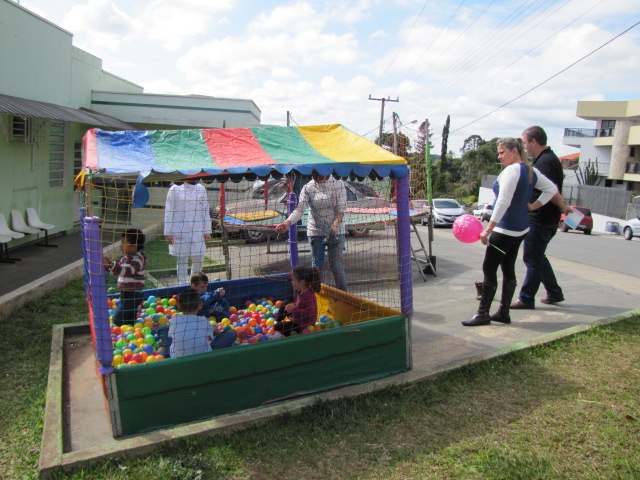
580	132
589	132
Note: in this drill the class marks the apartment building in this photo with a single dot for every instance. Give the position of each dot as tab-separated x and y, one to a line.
614	142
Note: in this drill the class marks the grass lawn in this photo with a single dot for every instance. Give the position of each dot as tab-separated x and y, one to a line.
570	409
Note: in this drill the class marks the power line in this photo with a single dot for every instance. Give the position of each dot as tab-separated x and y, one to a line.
506	42
399	49
489	43
547	80
537	46
424	52
383	100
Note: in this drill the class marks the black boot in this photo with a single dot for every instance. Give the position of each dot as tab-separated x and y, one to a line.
502	315
482	315
478	290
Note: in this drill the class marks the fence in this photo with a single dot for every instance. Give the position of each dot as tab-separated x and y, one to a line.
611	202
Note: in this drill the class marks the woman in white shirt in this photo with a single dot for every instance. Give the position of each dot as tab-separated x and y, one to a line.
508	226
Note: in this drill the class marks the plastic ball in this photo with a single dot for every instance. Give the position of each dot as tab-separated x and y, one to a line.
117	360
467	228
149	339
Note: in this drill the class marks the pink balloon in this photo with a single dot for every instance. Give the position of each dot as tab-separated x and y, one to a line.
467	228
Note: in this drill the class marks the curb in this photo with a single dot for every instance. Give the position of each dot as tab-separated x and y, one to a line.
39	288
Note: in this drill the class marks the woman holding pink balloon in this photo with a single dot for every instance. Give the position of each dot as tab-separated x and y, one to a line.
508	226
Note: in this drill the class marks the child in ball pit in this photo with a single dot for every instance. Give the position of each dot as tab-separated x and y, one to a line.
130	270
303	312
214	305
190	333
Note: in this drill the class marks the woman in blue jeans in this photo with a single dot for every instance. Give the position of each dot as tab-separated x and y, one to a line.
326	199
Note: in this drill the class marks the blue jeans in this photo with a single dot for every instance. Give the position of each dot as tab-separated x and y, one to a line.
224	339
538	267
128	308
334	245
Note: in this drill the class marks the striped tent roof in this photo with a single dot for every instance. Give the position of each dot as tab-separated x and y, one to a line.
239	152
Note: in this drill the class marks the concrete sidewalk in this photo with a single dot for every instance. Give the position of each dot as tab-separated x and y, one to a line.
439	343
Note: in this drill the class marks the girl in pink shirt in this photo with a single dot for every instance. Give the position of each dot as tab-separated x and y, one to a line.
304	310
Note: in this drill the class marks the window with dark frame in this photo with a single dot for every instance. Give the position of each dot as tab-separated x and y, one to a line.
57	135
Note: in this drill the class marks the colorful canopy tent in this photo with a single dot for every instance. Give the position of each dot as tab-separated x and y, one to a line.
239	151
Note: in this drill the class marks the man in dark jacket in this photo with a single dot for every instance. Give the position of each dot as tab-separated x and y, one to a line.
543	224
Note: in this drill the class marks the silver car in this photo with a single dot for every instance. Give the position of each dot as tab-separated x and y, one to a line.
445	211
483	211
631	228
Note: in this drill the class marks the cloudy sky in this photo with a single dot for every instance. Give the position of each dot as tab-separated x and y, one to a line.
495	67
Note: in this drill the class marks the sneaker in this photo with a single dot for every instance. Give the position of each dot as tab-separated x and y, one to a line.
549	300
519	305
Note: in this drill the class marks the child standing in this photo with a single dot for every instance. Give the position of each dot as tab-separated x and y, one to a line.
130	270
190	334
214	305
304	311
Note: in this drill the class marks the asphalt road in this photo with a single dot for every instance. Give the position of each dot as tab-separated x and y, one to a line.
610	252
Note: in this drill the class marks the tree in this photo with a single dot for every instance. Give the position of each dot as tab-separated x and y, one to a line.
445	140
404	143
472	142
482	160
417	163
421	139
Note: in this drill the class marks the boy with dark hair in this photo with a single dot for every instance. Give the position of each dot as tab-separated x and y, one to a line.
190	333
130	270
214	305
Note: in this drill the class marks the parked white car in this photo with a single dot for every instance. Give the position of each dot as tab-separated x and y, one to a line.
631	228
483	211
445	211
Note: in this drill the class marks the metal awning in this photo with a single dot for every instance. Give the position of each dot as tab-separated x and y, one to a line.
23	107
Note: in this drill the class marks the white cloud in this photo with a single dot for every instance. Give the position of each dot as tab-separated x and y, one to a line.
172	23
99	26
321	60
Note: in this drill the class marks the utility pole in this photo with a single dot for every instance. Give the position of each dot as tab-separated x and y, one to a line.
427	155
383	100
395	133
288	118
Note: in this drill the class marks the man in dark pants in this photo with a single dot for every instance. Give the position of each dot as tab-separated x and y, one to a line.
543	224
